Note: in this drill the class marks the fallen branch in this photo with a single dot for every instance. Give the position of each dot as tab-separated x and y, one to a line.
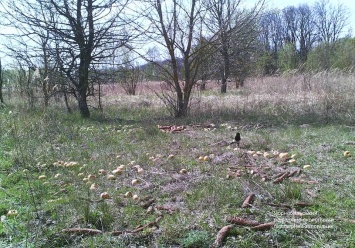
222	235
263	227
242	222
147	204
299	180
248	200
233	174
82	231
303	204
346	220
138	229
164	208
280	205
294	172
281	178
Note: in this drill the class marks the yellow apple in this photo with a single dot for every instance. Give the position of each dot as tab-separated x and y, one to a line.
94	186
128	194
135	182
183	171
117	171
267	155
91	177
111	177
105	195
12	212
292	161
42	177
347	154
284	155
307	166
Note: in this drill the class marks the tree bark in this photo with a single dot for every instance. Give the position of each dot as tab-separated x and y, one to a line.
1	85
82	102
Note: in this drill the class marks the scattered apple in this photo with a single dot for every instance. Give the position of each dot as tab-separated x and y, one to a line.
292	161
94	186
135	182
307	166
251	152
102	172
206	158
135	197
12	212
200	158
347	154
81	174
105	195
91	177
171	156
128	194
57	175
267	155
140	170
117	171
111	177
183	171
42	177
284	155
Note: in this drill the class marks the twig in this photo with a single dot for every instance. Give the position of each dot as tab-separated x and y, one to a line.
138	229
281	178
82	231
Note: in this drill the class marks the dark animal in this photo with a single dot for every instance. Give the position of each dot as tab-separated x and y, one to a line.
237	138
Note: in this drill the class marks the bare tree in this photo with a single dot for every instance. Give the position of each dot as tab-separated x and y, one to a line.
83	33
307	35
228	20
176	27
271	39
330	20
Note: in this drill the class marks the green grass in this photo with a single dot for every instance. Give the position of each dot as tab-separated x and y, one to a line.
33	141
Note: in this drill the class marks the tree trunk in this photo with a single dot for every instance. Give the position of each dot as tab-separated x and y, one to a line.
183	102
82	103
1	85
225	72
224	85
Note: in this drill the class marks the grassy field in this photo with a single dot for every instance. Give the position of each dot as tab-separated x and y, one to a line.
180	188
